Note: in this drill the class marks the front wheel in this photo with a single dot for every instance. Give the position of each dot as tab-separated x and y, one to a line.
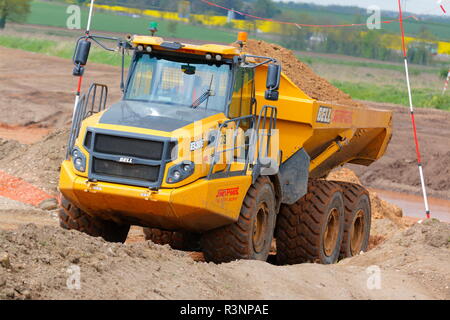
176	240
251	236
73	218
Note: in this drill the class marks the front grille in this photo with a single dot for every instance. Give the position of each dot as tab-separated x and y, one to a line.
131	147
136	160
116	169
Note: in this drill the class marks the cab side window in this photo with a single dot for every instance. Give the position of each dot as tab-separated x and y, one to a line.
241	101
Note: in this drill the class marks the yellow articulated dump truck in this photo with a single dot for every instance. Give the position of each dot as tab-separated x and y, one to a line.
216	150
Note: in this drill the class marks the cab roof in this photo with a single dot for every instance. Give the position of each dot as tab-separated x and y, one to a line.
160	44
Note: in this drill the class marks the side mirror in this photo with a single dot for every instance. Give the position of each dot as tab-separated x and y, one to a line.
273	81
81	56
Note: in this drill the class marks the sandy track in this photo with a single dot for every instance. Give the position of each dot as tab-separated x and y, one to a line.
39	258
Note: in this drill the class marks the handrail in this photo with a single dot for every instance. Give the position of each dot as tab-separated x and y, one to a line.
81	112
264	126
261	131
102	100
247	148
75	128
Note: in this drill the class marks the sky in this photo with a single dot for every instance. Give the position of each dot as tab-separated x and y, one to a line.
414	6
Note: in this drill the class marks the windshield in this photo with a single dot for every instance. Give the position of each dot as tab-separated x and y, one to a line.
191	84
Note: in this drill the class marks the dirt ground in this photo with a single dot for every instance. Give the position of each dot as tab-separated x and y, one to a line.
41	92
36	263
34	257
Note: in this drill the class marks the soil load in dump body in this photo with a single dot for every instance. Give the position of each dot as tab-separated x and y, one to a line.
299	73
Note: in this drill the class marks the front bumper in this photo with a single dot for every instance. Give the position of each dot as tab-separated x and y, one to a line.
200	206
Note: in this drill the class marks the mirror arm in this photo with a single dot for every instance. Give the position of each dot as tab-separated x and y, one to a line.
122	85
267	60
101	44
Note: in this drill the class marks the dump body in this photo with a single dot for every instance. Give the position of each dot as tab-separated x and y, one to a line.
362	133
323	134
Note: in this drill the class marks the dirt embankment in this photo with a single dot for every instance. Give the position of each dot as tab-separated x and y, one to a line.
38	163
37	263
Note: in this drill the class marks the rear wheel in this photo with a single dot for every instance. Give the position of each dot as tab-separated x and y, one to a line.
73	218
311	229
176	240
251	236
357	219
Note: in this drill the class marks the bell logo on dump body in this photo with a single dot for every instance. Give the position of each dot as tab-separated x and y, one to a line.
324	114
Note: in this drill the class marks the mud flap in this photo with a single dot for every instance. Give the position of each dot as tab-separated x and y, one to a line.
294	174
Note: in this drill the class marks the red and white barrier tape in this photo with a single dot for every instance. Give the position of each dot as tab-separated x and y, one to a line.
212	4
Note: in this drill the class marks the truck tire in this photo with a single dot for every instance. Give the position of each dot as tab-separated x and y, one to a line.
251	236
311	229
73	218
357	219
176	240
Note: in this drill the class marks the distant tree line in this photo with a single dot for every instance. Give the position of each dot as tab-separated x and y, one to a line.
367	44
263	8
13	10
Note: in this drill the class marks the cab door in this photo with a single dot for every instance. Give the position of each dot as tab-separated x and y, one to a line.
235	138
243	94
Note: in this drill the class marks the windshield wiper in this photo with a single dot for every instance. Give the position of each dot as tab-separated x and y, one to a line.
204	96
201	99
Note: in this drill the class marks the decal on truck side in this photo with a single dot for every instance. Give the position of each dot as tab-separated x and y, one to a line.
229	194
195	145
324	115
343	116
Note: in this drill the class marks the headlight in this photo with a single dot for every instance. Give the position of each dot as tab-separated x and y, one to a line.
78	160
180	171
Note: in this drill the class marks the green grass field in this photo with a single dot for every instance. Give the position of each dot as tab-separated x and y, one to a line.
60	49
424	98
54	14
414	69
